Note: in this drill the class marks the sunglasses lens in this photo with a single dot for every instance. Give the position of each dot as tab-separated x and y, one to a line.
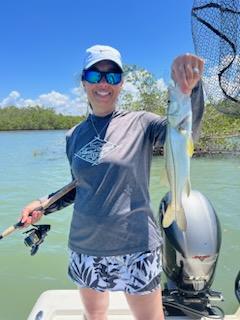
92	76
113	78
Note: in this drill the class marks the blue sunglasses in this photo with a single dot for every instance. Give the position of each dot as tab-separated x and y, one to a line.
93	76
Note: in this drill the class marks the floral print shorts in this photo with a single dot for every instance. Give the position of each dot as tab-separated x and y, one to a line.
137	273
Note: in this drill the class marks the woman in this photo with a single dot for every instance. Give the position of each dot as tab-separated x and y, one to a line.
114	240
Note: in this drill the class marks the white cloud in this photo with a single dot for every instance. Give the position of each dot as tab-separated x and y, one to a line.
11	99
61	103
161	85
130	87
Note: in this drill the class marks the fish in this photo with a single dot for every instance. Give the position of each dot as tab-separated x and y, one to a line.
178	149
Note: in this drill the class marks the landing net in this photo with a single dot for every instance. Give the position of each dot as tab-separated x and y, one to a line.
216	38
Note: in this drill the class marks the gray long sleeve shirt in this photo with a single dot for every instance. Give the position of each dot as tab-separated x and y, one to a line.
112	211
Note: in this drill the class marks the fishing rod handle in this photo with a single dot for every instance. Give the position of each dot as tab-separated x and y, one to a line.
11	229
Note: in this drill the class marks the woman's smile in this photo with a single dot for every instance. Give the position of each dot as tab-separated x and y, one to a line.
102	93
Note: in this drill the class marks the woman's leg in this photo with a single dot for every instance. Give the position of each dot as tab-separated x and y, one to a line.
147	306
95	304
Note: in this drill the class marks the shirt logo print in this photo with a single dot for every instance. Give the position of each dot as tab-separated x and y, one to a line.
95	150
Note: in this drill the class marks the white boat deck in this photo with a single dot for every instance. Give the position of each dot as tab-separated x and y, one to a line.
66	305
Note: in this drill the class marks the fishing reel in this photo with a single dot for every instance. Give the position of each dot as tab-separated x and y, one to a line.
36	237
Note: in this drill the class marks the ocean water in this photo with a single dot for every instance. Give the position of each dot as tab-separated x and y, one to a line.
33	163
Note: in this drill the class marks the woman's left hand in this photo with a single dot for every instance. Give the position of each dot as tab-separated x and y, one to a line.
187	71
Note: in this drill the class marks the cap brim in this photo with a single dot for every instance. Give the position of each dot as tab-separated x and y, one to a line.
90	64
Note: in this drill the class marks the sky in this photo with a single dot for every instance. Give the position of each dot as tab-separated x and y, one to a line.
42	44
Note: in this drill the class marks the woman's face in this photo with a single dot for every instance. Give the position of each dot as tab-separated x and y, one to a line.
102	96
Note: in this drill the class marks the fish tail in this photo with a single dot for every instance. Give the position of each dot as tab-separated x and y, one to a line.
181	219
168	217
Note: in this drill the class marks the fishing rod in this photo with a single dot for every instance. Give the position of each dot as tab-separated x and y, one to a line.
39	231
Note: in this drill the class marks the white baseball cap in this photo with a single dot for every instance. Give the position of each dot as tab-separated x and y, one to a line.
98	53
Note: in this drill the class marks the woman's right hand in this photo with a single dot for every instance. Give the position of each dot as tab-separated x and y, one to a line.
30	215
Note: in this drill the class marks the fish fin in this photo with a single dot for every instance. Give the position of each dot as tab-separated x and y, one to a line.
181	220
183	131
190	147
168	217
164	182
188	187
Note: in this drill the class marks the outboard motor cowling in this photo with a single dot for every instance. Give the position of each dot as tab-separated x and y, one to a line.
190	257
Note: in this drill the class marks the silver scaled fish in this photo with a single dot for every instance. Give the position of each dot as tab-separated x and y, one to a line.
178	150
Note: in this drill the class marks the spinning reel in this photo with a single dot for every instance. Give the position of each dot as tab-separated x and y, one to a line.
36	237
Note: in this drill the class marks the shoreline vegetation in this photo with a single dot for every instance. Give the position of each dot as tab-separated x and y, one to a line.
219	133
35	118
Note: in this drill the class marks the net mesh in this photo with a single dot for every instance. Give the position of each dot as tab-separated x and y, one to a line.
216	38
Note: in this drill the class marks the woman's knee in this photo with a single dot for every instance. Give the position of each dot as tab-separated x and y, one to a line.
147	306
95	304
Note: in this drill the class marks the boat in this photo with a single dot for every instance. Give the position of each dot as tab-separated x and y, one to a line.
66	305
189	263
